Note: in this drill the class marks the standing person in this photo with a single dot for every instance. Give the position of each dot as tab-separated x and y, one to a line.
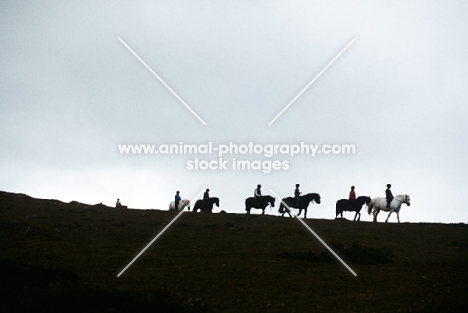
352	194
176	200
388	195
297	193
118	204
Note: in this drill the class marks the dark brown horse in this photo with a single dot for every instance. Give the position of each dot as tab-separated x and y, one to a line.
206	205
302	203
260	203
354	205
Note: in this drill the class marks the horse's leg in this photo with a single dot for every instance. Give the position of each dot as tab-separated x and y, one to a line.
388	216
263	211
398	216
305	212
377	213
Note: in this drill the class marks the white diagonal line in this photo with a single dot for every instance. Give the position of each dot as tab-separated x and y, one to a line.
162	81
157	236
313	233
313	80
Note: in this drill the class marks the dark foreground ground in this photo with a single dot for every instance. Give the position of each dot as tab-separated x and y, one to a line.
65	257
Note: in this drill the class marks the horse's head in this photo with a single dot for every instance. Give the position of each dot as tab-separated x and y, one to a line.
269	200
185	203
216	202
365	199
407	200
368	200
317	198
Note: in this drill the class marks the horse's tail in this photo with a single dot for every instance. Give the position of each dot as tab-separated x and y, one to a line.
197	206
281	208
247	204
370	206
338	211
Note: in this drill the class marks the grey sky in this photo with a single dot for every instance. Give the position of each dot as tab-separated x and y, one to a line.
70	92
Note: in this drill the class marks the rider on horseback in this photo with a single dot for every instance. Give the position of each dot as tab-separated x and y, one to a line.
352	193
297	193
352	197
176	200
388	195
206	196
257	194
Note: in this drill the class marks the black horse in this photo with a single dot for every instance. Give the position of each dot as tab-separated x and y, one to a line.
351	205
206	205
302	203
260	203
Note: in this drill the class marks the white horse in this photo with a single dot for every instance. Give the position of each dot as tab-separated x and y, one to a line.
380	203
182	204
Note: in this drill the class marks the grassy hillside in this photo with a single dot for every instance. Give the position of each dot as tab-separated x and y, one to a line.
66	257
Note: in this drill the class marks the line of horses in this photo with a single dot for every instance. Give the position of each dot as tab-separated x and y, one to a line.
374	205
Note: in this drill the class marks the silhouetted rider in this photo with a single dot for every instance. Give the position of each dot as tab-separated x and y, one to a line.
206	196
258	194
352	193
176	200
388	195
297	193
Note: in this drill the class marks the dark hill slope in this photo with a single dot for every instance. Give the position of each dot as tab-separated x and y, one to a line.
223	262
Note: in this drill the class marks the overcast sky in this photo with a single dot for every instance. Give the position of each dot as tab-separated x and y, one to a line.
71	92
